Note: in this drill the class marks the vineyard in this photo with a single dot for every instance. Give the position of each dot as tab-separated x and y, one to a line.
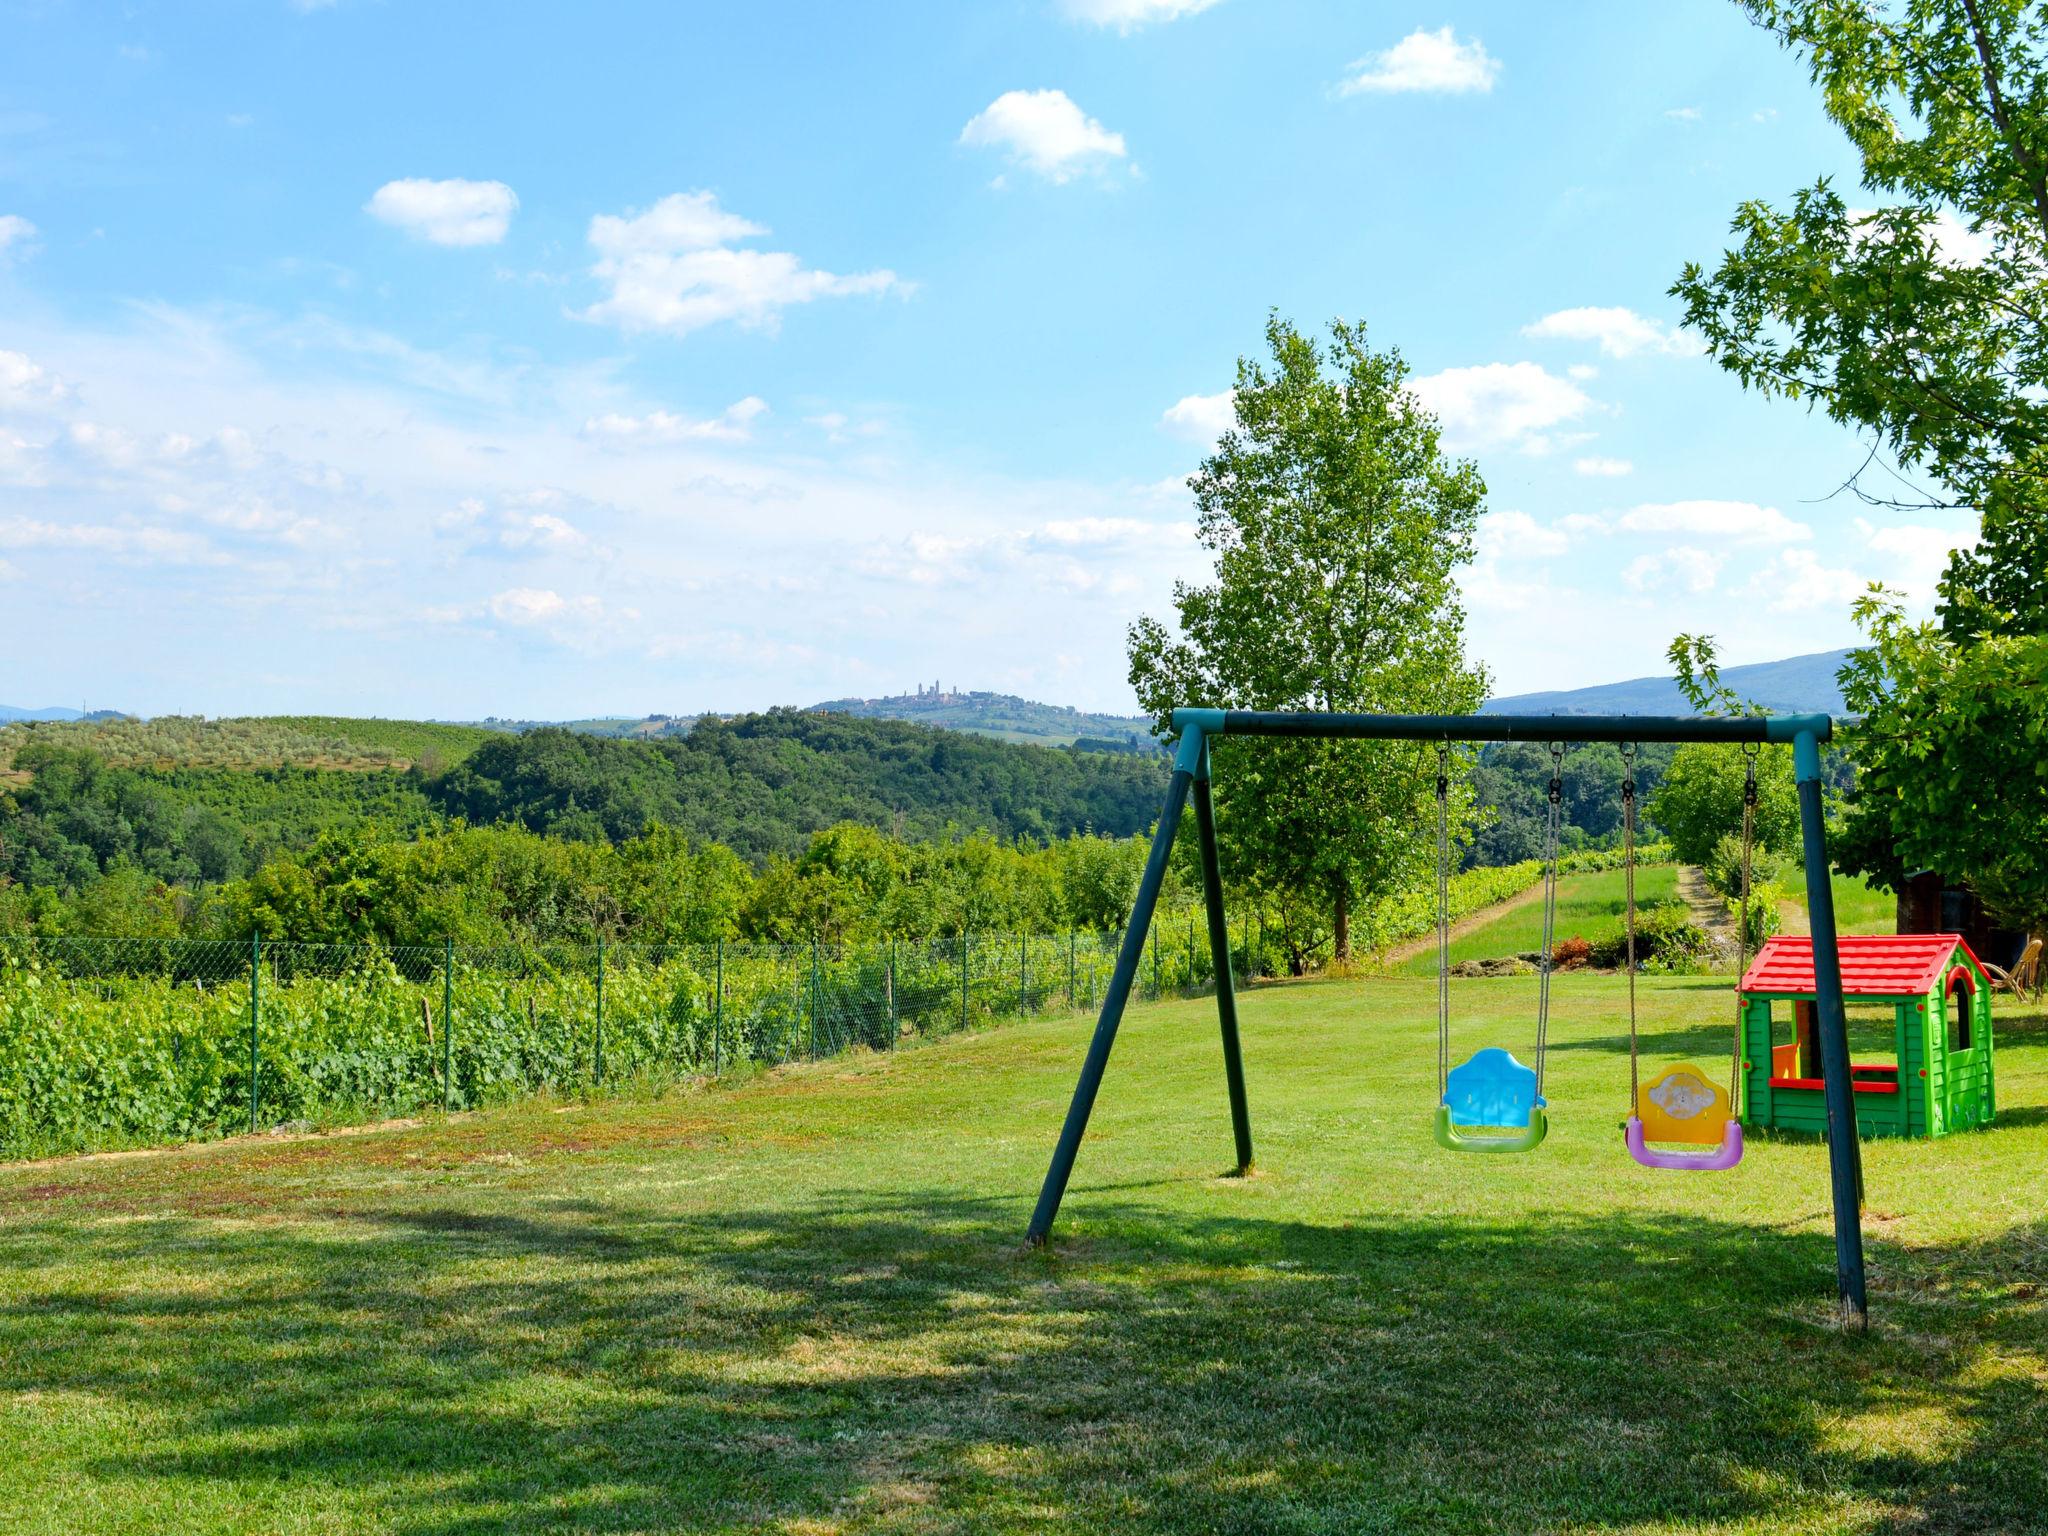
125	1042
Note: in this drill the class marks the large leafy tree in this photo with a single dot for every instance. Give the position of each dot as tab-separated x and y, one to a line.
1919	322
1337	523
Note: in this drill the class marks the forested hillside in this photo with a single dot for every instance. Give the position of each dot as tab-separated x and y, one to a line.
762	784
1001	715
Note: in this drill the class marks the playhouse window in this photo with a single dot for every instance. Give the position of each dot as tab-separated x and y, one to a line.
1873	1043
1961	1001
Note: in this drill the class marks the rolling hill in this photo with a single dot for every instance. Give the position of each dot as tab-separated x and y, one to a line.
1796	685
1001	715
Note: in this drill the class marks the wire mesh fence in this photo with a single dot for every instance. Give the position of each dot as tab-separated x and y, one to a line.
107	1042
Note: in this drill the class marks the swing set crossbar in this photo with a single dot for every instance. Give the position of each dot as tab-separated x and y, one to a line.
1196	729
1638	728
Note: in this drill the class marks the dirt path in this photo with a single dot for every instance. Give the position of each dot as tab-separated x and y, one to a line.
1408	949
1703	902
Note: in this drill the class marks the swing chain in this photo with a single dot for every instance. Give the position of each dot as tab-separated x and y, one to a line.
1551	836
1443	918
1750	750
1628	864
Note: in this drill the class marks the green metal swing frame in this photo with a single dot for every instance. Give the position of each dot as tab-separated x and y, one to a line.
1196	728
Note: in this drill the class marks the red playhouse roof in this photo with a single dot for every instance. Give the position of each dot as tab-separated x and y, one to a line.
1873	965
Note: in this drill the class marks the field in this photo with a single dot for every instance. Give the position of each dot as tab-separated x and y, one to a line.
800	1304
275	741
1589	906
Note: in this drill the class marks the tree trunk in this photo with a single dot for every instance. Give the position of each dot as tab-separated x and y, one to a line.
1342	925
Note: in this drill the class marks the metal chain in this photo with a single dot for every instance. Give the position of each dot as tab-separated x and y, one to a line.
1555	792
1628	864
1443	920
1749	752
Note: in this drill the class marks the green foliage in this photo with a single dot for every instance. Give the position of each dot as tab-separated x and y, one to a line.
431	745
1723	867
763	784
1762	917
1889	325
1882	317
1511	784
1337	524
1700	800
1667	942
1005	717
119	1043
1952	753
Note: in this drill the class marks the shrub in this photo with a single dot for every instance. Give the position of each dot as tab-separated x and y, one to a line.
1723	867
1667	940
1572	953
1762	920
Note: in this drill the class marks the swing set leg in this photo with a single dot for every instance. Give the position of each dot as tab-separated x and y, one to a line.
1128	955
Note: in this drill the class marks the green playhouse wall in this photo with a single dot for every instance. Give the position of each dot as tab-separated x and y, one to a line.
1940	1091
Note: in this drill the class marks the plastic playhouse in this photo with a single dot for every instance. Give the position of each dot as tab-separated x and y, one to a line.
1940	1077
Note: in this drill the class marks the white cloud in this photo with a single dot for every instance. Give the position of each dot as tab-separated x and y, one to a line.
1512	535
676	268
139	542
1582	522
1090	556
732	425
1202	418
1683	114
17	236
1129	15
1582	372
1619	332
1794	581
1603	468
1953	240
26	385
1739	522
1044	132
1684	565
838	427
453	212
527	605
1764	115
1918	554
1425	61
1499	404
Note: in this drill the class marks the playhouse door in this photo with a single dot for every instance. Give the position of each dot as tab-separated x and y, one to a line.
1962	1055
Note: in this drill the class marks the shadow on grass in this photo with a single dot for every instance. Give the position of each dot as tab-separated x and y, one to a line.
903	1364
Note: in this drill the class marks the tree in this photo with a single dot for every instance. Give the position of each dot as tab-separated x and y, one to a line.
1920	323
1337	524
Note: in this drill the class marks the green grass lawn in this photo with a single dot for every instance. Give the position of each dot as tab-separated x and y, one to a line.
1858	908
800	1305
1590	905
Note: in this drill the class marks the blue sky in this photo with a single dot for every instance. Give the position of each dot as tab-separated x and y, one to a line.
380	357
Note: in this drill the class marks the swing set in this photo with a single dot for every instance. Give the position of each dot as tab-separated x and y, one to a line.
1492	1103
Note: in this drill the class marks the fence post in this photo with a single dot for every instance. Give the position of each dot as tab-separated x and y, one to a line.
814	997
965	941
893	1025
255	1026
1191	957
1155	960
597	1055
447	1023
1072	961
717	1000
1023	974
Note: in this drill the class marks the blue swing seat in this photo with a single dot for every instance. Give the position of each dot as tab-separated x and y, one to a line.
1491	1091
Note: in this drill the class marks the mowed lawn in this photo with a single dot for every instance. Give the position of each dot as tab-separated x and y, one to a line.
801	1305
1590	906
